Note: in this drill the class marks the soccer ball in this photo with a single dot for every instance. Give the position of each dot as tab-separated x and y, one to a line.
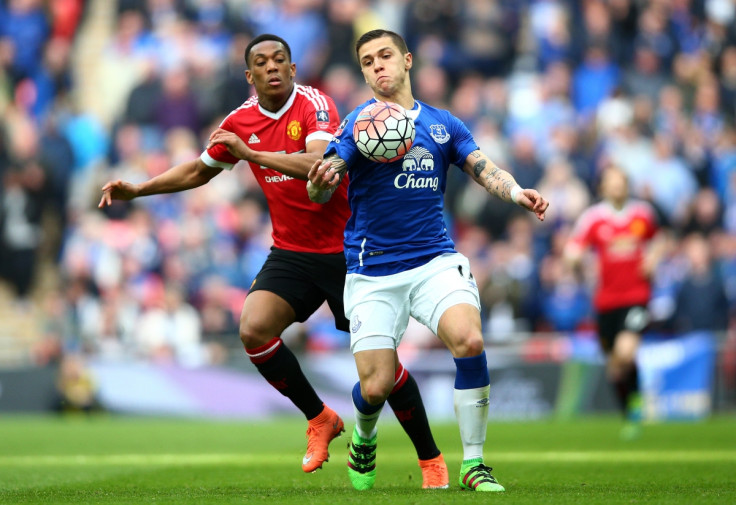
383	132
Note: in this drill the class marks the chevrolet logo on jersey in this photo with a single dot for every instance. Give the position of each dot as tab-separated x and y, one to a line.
281	177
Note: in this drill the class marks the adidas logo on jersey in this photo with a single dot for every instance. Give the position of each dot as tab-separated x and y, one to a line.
253	139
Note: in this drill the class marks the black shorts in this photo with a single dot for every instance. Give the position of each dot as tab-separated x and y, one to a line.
305	281
634	318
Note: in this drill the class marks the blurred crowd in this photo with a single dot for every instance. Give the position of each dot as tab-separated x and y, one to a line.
552	90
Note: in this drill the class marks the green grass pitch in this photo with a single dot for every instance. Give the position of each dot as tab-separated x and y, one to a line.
121	460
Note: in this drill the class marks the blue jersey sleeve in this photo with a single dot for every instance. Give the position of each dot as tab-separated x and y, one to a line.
462	142
343	143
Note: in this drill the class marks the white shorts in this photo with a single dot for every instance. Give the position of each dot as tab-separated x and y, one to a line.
379	307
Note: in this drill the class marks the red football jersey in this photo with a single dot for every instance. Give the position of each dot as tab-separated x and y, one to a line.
619	239
298	223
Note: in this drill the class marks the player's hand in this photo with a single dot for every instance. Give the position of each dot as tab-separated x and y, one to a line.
323	176
232	142
648	265
117	190
532	201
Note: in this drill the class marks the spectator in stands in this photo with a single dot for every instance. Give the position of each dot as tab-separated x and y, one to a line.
75	387
565	301
24	29
169	329
727	67
668	180
647	76
140	106
701	302
705	213
177	106
566	189
21	210
595	79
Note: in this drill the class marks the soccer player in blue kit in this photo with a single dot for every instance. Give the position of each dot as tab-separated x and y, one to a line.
401	261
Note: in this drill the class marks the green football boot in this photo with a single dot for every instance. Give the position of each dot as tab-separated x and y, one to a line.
475	476
362	461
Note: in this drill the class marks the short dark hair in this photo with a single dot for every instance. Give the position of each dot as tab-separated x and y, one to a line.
397	39
262	38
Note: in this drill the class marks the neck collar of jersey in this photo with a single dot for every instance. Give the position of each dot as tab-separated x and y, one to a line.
283	109
414	112
617	212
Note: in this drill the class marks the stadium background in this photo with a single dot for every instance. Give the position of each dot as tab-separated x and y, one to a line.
137	306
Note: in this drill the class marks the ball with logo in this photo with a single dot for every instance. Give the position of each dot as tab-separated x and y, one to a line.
383	132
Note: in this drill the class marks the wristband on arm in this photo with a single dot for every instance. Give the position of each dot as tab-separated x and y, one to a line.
515	193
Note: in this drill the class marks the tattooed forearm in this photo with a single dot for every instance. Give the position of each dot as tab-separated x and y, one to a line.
498	182
478	167
319	195
506	190
339	165
491	175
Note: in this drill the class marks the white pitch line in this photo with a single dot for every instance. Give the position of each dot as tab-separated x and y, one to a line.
277	459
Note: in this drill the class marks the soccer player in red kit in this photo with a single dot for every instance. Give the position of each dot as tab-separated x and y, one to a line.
621	232
281	132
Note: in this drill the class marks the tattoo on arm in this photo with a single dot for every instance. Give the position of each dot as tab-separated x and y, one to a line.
478	167
492	175
496	181
338	164
506	190
323	195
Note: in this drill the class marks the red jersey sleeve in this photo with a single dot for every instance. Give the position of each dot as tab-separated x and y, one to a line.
652	221
321	116
581	234
218	155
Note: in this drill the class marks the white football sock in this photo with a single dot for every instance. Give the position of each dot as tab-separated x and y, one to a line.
365	424
471	409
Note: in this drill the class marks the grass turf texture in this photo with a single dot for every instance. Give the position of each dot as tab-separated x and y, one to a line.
136	460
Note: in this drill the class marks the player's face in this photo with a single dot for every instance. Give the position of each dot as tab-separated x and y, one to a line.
270	70
614	186
385	69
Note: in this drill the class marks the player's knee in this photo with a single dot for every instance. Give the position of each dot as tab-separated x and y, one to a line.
624	350
613	369
618	366
252	337
468	346
375	391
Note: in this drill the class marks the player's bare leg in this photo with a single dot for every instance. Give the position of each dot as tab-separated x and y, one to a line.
622	371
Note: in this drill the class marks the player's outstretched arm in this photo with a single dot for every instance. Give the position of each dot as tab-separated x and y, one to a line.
573	255
295	165
502	184
324	177
655	250
188	175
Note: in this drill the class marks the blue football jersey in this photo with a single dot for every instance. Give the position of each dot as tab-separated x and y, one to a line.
397	218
